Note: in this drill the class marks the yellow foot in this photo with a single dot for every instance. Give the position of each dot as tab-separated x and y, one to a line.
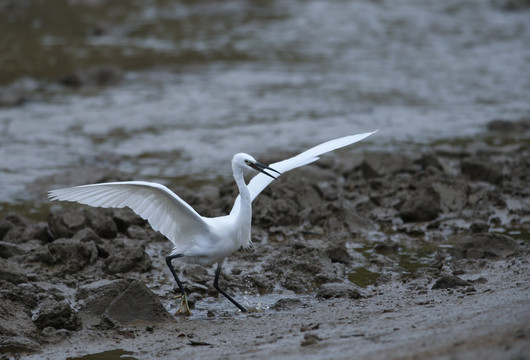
184	309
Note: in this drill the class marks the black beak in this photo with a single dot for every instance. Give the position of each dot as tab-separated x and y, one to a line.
262	167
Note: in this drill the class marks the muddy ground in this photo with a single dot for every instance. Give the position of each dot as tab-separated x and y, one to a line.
372	255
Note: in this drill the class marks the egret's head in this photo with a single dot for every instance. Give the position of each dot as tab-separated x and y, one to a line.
245	161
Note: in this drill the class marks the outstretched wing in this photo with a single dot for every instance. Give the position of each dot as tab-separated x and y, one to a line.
162	208
260	181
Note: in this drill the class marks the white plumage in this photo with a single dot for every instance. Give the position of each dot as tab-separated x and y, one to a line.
197	238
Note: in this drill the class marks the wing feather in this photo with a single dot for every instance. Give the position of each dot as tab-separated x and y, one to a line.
162	208
260	181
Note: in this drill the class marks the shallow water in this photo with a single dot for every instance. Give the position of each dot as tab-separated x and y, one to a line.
204	80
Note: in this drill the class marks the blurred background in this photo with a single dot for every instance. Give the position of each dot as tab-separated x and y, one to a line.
168	91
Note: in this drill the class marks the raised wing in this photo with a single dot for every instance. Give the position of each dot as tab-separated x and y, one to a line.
260	181
162	208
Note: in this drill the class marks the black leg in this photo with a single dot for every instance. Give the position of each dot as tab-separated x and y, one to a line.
172	269
216	286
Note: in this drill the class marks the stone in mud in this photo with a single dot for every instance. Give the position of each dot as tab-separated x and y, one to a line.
87	235
17	344
101	75
452	194
485	245
64	224
128	258
287	304
8	250
481	171
429	160
137	304
15	320
72	254
423	205
94	298
5	226
24	293
339	290
101	222
125	217
380	164
11	272
58	315
450	281
21	233
197	274
506	126
338	253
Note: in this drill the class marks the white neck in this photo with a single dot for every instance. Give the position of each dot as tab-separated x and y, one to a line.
244	215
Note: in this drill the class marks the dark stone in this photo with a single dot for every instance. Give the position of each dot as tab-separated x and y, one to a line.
87	235
23	293
96	76
423	205
23	233
65	224
379	164
508	126
11	272
429	160
197	274
137	304
5	226
17	344
128	258
287	304
339	290
481	171
8	250
485	245
15	320
58	315
125	217
450	281
72	254
479	227
94	298
338	253
102	223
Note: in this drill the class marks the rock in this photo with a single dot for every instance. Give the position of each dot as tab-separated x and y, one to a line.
310	339
24	294
95	298
452	194
72	254
96	76
481	171
379	164
338	253
485	245
507	126
128	258
429	160
287	304
11	272
450	281
8	250
137	304
125	217
423	205
15	320
339	290
101	221
197	274
87	235
58	315
479	227
65	224
17	344
5	226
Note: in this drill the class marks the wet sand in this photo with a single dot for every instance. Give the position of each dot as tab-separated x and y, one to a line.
375	255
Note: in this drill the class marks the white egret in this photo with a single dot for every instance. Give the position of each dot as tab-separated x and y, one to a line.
196	238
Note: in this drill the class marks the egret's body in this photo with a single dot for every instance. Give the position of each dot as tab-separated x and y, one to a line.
196	238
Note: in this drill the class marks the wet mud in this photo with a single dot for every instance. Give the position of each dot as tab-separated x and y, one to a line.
379	255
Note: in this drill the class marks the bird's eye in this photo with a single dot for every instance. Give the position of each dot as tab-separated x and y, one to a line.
247	161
